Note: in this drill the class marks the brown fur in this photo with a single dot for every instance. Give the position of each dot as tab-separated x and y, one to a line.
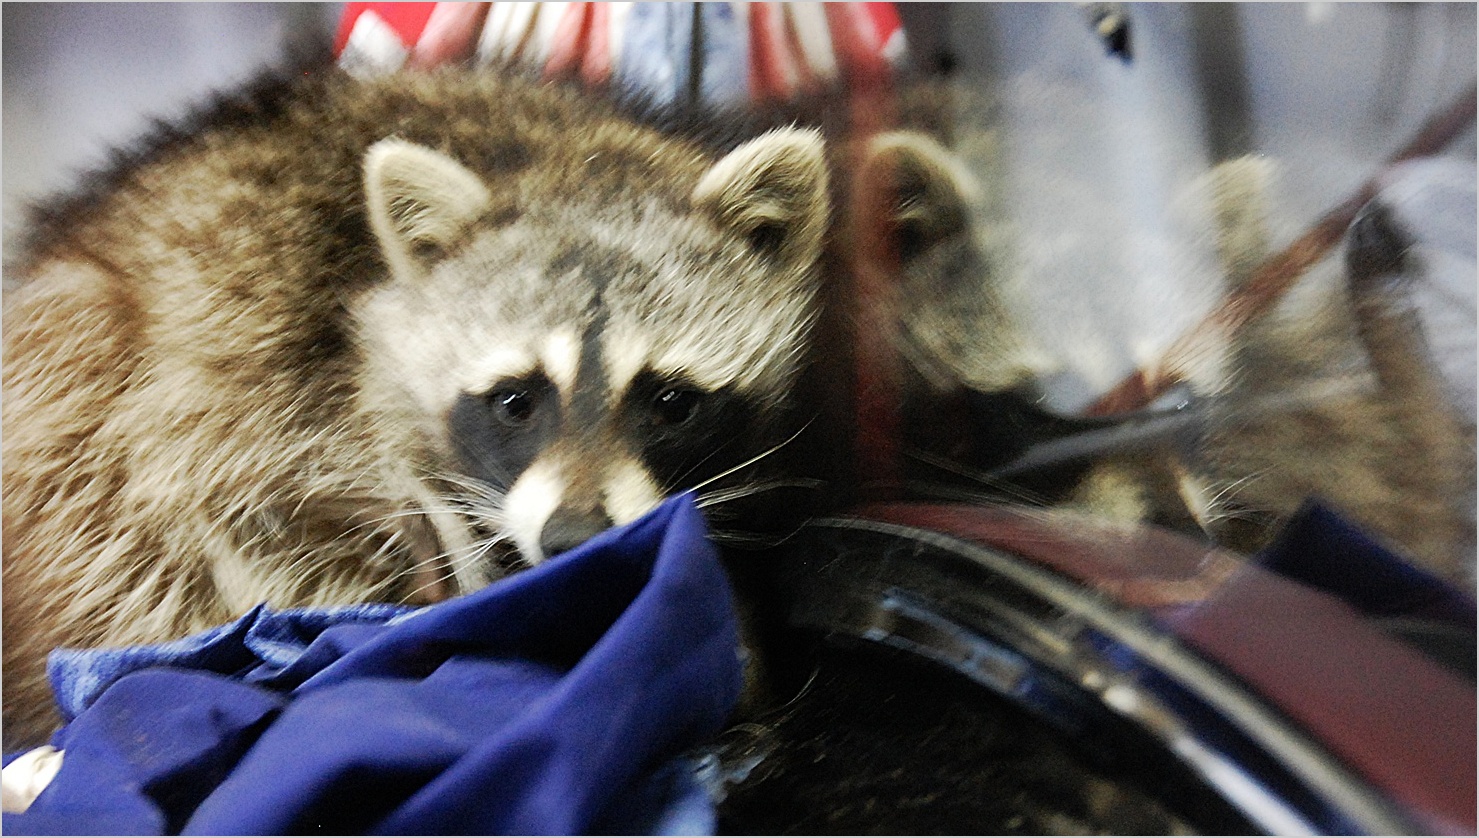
1388	451
204	405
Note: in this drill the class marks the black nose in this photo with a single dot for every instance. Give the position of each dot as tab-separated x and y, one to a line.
567	529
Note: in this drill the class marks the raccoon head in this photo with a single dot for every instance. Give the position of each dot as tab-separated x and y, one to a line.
954	323
973	405
570	360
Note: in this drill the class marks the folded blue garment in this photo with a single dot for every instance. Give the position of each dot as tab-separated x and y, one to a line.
557	701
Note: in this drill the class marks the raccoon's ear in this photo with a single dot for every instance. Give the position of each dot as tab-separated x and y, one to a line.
772	191
420	202
928	189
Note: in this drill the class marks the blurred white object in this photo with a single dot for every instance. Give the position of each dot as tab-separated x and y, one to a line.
1434	201
27	776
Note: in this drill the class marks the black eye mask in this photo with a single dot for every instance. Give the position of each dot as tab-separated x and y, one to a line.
686	434
496	435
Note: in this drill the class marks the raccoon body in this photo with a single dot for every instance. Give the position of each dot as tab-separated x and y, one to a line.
347	340
1331	395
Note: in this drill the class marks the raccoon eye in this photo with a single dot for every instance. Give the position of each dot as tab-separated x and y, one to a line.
911	239
513	407
675	405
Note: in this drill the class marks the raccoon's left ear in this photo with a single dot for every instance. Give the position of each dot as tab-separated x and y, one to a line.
772	191
420	202
928	189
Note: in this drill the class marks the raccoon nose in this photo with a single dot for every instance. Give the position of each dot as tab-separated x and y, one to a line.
567	529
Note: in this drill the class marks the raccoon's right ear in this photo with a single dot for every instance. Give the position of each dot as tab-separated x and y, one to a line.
420	202
927	189
772	191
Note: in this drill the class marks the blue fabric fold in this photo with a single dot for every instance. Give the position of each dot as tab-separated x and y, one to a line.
557	701
1319	548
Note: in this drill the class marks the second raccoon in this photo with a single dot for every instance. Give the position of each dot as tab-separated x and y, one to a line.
1330	395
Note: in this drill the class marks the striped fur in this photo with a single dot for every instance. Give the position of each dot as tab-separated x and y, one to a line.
271	358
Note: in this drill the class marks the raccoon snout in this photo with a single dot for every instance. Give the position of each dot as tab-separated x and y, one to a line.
567	529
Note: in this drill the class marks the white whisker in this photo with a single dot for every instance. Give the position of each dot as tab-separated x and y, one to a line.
755	459
720	496
1003	487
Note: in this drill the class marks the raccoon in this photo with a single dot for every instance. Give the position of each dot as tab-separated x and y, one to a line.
337	340
1331	395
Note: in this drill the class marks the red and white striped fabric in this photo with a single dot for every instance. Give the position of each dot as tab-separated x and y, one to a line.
793	47
379	37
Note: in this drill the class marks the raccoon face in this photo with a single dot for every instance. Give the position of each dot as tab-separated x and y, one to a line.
972	403
570	363
955	327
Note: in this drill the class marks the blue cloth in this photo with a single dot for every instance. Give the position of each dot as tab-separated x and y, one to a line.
724	69
686	54
1319	548
555	701
657	52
